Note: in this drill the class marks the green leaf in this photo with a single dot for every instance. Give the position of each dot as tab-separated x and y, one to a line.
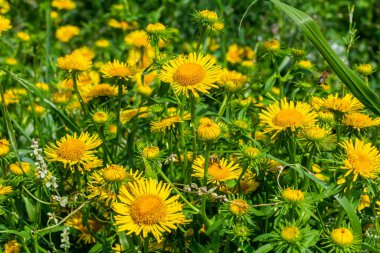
264	249
311	30
30	208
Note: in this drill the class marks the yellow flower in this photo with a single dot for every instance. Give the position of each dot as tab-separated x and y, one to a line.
12	247
209	16
326	116
54	15
118	24
342	237
76	221
364	202
116	69
100	117
304	64
42	86
361	159
364	69
5	189
5	24
150	152
17	170
63	4
66	33
74	62
346	104
4	6
291	234
251	152
358	121
102	43
114	173
296	52
293	196
232	81
136	39
5	147
315	133
73	150
194	73
145	207
155	28
209	131
238	207
272	45
86	52
10	61
168	123
218	171
99	90
286	115
127	115
23	36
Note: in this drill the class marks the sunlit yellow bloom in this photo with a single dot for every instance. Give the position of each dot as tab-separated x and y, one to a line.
63	4
167	124
127	115
237	54
346	104
326	117
86	52
5	189
287	115
5	147
10	61
293	196
4	6
15	169
251	152
67	32
137	38
61	97
145	207
361	159
74	62
5	24
291	234
54	15
76	221
42	86
118	24
238	207
360	120
304	64
364	69
194	73
218	171
100	117
342	237
102	43
23	36
364	202
150	152
272	45
232	81
12	247
99	90
155	28
209	131
116	69
210	16
73	150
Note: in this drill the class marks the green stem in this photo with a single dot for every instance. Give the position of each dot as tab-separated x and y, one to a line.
118	125
309	165
201	39
87	114
182	132
192	102
205	176
279	77
146	244
226	99
167	180
35	242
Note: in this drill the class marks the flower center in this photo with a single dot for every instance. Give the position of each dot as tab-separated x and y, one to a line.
189	74
360	161
358	120
218	172
148	209
290	234
288	118
72	150
120	71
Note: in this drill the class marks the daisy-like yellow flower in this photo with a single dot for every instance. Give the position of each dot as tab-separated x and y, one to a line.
5	24
5	189
272	45
364	69
361	159
23	36
218	171
238	207
358	121
99	90
76	221
285	115
102	43
127	115
74	62
5	147
342	237
116	69
346	104
145	207
364	202
73	150
137	39
15	168
232	81
100	117
194	73
12	247
168	123
86	52
66	33
209	131
291	234
150	152
63	4
292	196
156	28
